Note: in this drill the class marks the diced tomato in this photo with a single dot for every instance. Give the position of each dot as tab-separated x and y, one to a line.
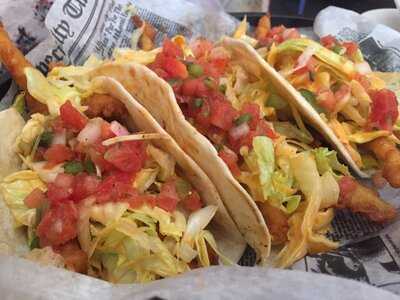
264	129
200	47
160	72
254	110
150	200
96	153
105	190
57	125
168	197
61	189
74	257
194	88
351	47
231	159
139	200
58	153
174	68
223	114
328	41
71	117
127	156
168	189
347	186
384	110
116	187
106	132
300	71
167	203
192	202
204	115
171	49
277	30
35	198
84	186
59	224
326	99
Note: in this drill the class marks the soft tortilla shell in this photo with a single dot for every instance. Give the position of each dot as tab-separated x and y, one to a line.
254	63
158	98
12	240
229	239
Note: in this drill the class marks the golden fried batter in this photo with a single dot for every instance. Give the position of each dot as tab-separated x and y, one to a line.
386	151
277	222
263	27
15	62
363	200
105	106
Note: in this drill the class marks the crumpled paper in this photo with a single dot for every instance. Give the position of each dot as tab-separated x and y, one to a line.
21	279
379	44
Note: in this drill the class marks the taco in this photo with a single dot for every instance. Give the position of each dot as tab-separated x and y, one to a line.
338	94
118	200
218	102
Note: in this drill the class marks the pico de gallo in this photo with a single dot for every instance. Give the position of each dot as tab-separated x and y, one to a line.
107	202
251	127
338	83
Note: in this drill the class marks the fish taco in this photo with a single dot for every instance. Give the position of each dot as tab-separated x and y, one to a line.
107	194
338	94
219	102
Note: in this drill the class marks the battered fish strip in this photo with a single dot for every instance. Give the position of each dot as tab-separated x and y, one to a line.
277	222
361	199
263	27
15	62
386	151
106	107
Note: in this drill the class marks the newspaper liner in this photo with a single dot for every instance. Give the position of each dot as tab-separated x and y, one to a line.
369	252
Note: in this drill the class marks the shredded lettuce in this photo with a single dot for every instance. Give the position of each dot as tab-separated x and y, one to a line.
14	189
47	93
290	131
165	161
31	131
145	178
327	161
342	65
140	245
365	137
302	236
265	156
270	178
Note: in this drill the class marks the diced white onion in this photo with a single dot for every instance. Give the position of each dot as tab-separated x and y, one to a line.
118	129
304	58
59	138
239	131
91	132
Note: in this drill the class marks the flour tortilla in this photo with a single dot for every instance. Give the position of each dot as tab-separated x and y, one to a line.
12	240
253	62
229	239
158	98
